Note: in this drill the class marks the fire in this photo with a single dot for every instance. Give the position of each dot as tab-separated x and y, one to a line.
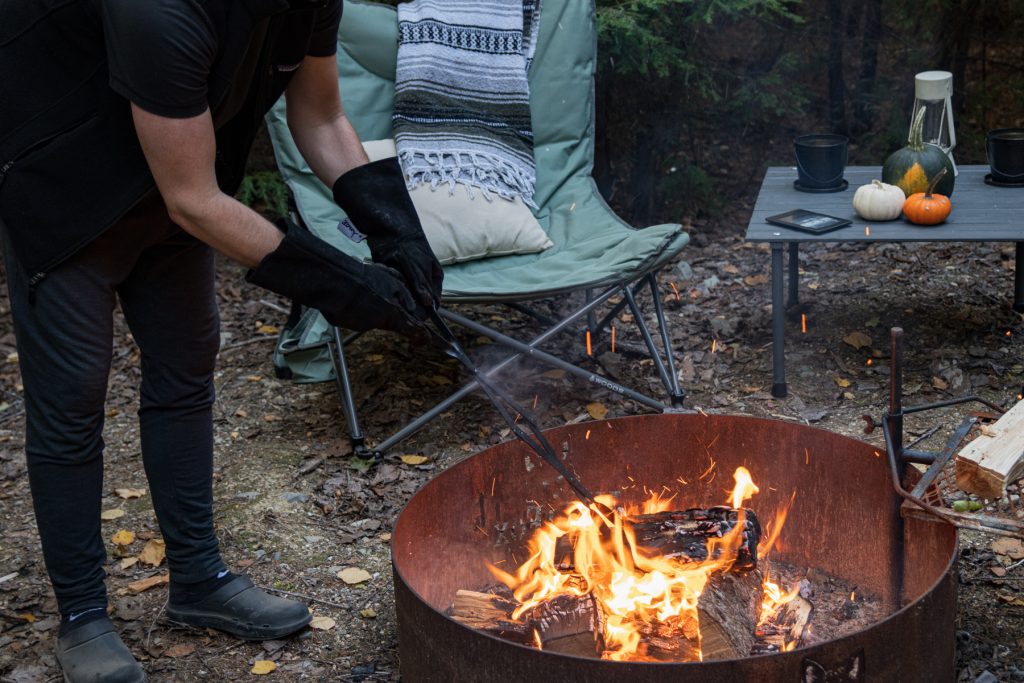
631	588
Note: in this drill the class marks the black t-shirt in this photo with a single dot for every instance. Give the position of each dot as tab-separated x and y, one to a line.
160	52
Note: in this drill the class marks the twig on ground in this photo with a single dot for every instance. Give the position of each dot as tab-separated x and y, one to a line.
152	624
247	342
306	597
276	307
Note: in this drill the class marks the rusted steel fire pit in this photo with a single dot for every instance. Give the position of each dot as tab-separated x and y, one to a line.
845	521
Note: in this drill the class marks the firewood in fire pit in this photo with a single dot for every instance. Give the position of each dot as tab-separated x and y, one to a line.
569	624
684	534
491	613
728	610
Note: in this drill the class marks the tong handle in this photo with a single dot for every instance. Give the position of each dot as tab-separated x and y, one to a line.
536	440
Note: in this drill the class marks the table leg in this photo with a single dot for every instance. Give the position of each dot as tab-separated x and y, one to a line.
778	325
794	274
1018	280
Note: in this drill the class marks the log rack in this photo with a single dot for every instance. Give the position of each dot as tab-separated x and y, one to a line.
929	496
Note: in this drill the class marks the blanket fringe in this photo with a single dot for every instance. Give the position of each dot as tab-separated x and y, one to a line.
470	168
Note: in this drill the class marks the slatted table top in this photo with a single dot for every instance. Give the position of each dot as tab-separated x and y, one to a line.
981	212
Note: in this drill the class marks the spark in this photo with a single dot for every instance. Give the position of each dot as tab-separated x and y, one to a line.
613	338
803	323
867	231
676	290
493	482
586	437
714	345
807	457
590	351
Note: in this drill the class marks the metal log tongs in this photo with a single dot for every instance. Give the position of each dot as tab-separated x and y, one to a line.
511	412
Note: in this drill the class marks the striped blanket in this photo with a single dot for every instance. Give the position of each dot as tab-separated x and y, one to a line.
462	102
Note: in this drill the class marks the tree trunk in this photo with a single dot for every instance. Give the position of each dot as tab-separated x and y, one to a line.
864	99
836	86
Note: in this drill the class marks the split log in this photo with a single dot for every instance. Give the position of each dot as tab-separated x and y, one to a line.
566	623
684	534
728	611
994	458
491	613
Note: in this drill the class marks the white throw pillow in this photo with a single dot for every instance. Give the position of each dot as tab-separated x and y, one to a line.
463	228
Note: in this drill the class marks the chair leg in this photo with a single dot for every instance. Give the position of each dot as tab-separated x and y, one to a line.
674	390
344	386
669	381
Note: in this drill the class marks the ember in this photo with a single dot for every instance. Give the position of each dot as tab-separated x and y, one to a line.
644	584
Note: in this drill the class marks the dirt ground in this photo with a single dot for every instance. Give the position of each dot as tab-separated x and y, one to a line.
293	512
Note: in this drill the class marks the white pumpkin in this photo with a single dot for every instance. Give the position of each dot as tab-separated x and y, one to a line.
878	201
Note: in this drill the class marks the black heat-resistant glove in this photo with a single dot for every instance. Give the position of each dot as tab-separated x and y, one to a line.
350	294
375	197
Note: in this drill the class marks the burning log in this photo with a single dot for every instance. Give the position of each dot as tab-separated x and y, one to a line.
491	613
728	611
569	624
684	534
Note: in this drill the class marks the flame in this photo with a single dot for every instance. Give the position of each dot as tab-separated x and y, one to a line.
536	640
631	588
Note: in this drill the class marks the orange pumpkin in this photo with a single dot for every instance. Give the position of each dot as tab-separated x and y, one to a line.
927	208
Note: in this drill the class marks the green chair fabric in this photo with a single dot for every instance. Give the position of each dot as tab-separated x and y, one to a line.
592	246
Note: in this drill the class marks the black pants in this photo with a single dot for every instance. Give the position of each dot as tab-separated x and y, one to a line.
164	280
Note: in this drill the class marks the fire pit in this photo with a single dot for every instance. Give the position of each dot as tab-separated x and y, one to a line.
845	522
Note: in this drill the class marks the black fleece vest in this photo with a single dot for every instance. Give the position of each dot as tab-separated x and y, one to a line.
70	161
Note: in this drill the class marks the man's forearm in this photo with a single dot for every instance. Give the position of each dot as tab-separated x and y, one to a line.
329	147
230	227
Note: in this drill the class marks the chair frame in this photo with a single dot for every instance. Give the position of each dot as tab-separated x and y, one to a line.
336	343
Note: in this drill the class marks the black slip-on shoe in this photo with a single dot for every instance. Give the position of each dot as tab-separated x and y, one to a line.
243	610
94	652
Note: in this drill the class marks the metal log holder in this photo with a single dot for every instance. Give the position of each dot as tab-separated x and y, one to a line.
930	494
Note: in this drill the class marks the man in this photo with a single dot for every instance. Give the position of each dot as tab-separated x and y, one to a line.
124	128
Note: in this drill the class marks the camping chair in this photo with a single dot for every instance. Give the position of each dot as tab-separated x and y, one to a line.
594	251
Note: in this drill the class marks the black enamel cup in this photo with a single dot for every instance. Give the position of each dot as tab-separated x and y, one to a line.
1005	149
820	161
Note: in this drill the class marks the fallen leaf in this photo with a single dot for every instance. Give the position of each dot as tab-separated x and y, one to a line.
440	380
368	613
1011	547
386	536
597	410
30	618
414	459
553	374
1011	599
255	378
848	395
123	537
940	383
129	562
375	358
730	268
108	515
267	329
262	666
153	553
841	382
180	650
988	431
753	280
354	575
113	412
998	571
857	340
128	494
322	623
270	417
145	584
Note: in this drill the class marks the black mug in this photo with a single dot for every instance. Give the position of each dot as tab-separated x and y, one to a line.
820	161
1005	149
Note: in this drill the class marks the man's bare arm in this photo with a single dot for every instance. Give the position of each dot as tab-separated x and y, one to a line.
317	120
181	154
